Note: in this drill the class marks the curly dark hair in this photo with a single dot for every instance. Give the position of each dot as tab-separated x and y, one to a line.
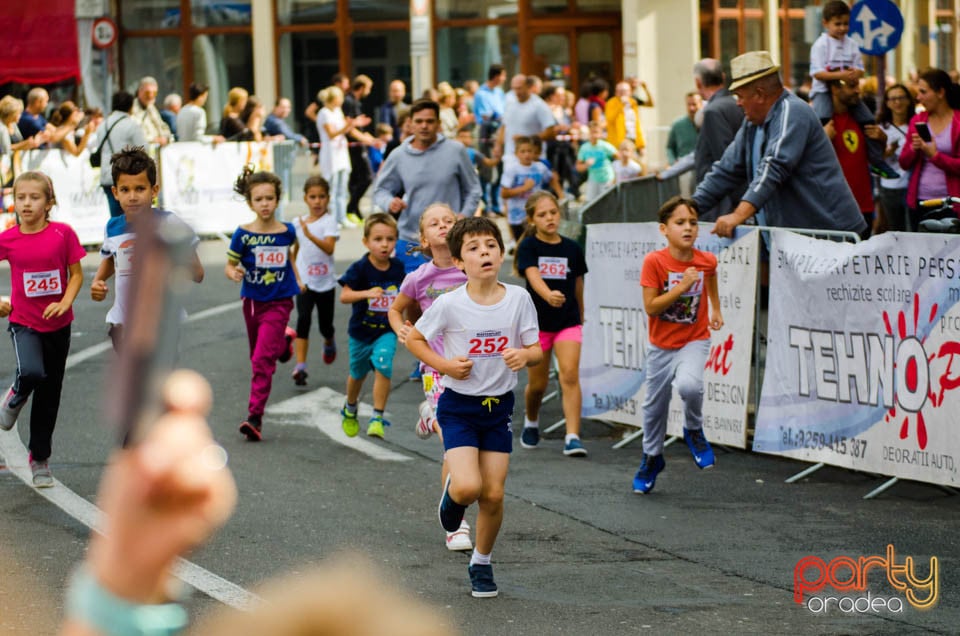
250	177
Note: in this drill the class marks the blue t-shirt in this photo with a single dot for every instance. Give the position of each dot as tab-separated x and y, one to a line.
30	125
266	259
515	175
369	318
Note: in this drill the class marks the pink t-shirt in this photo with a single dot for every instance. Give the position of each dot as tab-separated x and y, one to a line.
427	283
38	272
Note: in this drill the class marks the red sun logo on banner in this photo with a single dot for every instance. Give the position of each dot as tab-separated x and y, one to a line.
916	377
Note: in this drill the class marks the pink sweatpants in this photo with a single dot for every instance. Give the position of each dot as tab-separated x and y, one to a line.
266	324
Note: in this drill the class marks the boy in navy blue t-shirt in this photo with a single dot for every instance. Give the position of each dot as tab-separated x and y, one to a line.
370	285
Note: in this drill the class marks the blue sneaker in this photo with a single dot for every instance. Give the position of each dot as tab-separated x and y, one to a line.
699	447
416	373
449	511
529	437
646	477
574	448
481	581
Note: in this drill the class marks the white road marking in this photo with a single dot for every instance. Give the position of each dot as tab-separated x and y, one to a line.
321	408
15	455
90	352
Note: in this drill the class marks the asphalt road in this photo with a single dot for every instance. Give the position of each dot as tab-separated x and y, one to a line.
708	552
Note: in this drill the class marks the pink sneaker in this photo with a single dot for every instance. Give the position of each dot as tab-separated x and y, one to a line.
459	539
425	423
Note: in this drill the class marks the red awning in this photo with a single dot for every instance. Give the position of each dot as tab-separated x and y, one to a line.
39	42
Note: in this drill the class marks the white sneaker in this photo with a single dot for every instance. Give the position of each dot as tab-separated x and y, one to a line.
8	414
347	224
460	539
425	423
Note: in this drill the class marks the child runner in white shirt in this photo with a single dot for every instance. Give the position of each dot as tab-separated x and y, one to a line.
489	333
317	236
626	166
135	187
420	288
45	277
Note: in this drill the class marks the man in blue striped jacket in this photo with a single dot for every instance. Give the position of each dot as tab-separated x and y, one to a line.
782	151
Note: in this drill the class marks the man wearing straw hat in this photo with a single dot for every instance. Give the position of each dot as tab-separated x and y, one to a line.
782	151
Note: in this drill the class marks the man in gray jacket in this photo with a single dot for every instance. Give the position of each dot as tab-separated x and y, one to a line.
781	149
427	168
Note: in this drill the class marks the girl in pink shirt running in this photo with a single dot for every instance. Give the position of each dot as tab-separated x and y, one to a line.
45	278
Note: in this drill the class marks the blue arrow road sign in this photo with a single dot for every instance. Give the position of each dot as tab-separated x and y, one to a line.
876	25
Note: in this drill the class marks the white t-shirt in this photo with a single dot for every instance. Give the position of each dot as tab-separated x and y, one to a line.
896	136
629	119
481	332
334	155
314	265
531	117
831	54
626	172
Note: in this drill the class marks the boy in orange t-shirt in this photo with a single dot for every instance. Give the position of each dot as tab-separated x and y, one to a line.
676	282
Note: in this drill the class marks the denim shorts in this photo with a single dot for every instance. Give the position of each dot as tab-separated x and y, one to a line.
479	421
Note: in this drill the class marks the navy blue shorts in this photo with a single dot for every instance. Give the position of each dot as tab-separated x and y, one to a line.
479	421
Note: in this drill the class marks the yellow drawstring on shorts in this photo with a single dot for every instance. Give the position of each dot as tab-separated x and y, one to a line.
489	402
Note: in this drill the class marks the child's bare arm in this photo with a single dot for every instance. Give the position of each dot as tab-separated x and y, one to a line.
233	270
713	293
98	287
554	298
395	315
349	296
196	268
74	283
457	368
579	294
656	302
528	356
327	244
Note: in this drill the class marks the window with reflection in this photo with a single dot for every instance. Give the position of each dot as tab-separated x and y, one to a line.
151	14
222	62
467	53
156	57
598	5
482	9
214	13
548	6
377	10
306	11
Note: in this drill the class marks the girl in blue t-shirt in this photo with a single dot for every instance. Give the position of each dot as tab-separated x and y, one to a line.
553	267
259	258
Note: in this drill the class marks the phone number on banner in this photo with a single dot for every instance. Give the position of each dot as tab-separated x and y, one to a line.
611	402
840	444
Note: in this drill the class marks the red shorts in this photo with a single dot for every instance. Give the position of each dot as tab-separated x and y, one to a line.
547	338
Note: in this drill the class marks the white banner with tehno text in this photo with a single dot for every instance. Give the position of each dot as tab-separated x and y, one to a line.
863	355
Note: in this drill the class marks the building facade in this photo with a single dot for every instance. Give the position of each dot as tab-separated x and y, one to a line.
293	47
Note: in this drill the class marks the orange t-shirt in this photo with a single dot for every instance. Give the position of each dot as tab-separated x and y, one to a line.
686	319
